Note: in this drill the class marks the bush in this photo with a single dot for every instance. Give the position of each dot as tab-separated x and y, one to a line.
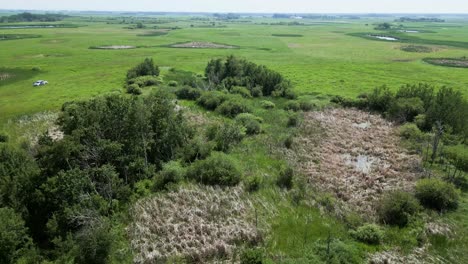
289	141
437	194
257	91
397	208
306	106
381	99
292	105
232	108
3	138
211	100
285	179
406	109
411	132
188	93
133	89
36	68
196	149
144	81
147	67
251	256
458	156
337	252
226	135
218	169
253	183
173	83
244	92
172	172
267	104
250	122
293	120
13	235
369	233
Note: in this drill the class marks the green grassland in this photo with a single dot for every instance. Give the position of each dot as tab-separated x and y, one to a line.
326	59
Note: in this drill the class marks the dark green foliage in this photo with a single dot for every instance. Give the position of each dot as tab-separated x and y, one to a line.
306	106
267	104
147	67
3	138
383	26
172	172
226	135
335	251
406	109
28	17
231	108
242	91
188	93
253	183
437	194
250	122
293	120
292	105
369	233
285	178
218	169
423	91
416	48
289	141
94	243
196	149
411	132
397	208
173	83
458	156
211	100
252	256
134	89
256	91
144	81
239	72
380	99
13	236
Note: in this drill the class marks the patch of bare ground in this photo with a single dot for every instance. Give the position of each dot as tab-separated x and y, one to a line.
202	45
115	47
356	156
418	256
195	223
4	76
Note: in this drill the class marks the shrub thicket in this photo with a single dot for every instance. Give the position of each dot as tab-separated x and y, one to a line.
437	194
231	108
336	251
267	104
369	233
292	106
285	178
188	93
226	135
211	100
243	91
172	172
397	208
218	169
147	67
252	256
250	122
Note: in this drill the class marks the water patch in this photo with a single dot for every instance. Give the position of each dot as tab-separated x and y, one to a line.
384	37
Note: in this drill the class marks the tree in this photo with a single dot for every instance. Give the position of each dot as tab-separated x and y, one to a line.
145	68
13	236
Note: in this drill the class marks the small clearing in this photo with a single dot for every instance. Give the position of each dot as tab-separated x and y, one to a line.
114	47
197	223
357	157
449	62
202	45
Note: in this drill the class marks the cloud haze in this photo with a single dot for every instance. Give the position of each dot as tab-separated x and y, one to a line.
268	6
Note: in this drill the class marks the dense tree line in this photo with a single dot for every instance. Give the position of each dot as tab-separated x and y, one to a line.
28	17
240	72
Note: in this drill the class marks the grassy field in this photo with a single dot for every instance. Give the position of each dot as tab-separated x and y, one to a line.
319	57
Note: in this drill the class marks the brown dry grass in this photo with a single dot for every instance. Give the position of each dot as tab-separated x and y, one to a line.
4	76
196	223
356	156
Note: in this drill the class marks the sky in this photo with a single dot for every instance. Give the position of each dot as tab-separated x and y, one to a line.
247	6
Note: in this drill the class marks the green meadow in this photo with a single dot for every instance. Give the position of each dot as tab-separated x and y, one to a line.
318	57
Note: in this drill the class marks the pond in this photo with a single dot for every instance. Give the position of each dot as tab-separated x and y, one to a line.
384	37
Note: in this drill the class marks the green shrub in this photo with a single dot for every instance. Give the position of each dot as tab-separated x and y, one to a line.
335	251
381	99
369	233
188	93
437	194
285	178
293	120
13	235
406	109
307	106
253	183
133	89
144	81
211	100
458	156
289	141
226	135
257	91
218	169
232	108
147	67
420	121
244	92
267	104
397	208
173	83
250	122
411	132
3	138
293	106
172	172
35	68
252	256
196	149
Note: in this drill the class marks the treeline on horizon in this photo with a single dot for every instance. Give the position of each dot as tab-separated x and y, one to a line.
29	17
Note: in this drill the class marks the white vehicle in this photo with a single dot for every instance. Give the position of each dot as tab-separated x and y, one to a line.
40	82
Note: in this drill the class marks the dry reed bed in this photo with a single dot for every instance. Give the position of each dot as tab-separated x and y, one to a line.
196	223
358	157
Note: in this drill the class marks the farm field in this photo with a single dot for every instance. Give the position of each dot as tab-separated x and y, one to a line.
226	138
318	57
